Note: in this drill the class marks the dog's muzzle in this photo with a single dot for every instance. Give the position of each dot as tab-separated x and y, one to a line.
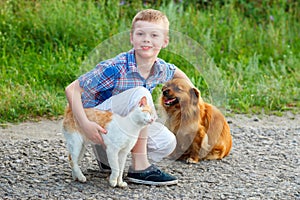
168	99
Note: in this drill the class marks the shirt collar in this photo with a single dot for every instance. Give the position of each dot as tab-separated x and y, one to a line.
131	64
158	67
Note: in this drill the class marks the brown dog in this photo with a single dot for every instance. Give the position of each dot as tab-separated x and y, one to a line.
200	128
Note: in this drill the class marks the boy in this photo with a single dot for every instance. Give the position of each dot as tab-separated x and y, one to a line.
117	84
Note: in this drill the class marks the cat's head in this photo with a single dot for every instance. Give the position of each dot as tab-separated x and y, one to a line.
144	114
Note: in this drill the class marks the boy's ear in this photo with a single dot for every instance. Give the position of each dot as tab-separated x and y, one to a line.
166	42
131	38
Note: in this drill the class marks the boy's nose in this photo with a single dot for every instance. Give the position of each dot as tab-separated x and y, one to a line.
146	38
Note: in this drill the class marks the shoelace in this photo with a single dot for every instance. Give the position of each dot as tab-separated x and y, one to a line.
158	171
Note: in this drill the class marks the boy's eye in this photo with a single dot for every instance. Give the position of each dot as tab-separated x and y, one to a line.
139	33
156	35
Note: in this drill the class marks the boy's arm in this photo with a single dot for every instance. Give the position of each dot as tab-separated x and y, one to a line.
91	129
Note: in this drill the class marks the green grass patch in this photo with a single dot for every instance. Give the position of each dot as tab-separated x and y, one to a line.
249	60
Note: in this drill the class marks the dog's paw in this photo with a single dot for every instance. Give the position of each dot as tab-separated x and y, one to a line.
191	161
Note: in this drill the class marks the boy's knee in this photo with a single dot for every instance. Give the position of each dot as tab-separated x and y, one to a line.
163	152
172	144
142	91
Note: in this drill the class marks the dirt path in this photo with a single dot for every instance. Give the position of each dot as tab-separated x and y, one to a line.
47	129
263	164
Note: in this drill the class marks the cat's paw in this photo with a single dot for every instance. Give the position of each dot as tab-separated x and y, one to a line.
79	177
82	179
122	184
113	183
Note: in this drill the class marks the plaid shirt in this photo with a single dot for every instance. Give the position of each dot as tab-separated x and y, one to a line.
118	74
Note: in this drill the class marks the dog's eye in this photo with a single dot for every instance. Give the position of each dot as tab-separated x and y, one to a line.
178	89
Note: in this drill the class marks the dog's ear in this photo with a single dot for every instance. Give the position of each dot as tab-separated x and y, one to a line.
195	94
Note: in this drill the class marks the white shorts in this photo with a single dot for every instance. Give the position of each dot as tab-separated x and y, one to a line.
161	141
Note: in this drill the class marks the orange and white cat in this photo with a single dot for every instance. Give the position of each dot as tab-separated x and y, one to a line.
122	134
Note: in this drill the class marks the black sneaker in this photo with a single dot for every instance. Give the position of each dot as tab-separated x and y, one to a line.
103	167
151	176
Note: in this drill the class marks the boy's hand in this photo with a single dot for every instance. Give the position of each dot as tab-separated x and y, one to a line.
93	132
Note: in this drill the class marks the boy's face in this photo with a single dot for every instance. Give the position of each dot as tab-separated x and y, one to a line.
148	38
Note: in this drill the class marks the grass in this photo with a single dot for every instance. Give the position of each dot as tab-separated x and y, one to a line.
243	57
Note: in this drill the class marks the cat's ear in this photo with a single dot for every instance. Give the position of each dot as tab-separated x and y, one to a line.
143	101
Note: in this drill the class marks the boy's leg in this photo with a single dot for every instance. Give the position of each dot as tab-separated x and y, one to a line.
161	142
124	102
156	142
101	157
139	152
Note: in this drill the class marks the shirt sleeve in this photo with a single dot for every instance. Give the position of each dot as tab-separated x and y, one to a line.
170	72
166	71
101	78
96	83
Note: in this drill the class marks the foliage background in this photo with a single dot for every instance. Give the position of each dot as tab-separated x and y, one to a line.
254	44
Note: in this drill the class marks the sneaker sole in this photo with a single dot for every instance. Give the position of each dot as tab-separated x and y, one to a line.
133	180
105	170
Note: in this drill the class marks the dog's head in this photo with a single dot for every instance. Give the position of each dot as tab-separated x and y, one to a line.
179	93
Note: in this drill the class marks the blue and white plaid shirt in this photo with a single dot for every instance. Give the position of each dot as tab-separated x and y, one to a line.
113	76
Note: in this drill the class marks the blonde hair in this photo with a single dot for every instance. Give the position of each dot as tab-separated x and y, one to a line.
151	15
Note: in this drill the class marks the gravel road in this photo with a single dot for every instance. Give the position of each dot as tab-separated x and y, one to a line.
264	164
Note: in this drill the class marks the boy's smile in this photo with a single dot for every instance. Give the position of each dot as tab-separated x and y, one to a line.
146	47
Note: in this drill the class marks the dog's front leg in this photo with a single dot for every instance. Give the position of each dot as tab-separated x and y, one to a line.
194	156
195	148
